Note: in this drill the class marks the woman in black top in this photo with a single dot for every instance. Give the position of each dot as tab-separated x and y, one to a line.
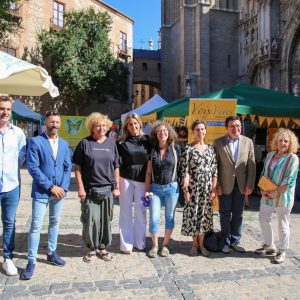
134	150
96	164
162	174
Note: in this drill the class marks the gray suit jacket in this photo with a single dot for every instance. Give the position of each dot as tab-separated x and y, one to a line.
243	169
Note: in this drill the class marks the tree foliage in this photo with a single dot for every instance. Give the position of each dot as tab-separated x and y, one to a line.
82	64
9	23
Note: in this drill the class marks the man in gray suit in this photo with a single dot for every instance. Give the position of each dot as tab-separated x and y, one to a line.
236	177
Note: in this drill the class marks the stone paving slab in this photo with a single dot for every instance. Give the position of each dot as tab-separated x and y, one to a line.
135	276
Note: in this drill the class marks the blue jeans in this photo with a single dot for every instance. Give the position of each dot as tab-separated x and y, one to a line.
231	215
9	203
167	194
38	213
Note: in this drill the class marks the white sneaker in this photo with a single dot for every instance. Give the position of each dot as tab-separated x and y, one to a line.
265	249
9	267
225	249
280	256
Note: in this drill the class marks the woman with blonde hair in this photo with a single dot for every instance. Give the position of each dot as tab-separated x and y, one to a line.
96	162
281	166
161	181
134	149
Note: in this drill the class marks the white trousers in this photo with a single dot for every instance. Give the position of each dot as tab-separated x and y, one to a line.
283	216
132	225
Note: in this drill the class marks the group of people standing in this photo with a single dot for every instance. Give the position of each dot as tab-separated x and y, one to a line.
136	167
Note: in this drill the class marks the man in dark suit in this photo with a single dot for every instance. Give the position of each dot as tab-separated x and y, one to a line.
49	164
236	177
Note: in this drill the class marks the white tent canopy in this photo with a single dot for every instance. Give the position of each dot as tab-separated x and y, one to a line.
19	77
155	102
23	110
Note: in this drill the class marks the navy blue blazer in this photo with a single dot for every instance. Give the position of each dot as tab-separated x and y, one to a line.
44	169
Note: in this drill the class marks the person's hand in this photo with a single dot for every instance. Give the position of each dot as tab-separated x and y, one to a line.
116	192
271	195
213	195
248	191
219	190
81	194
57	192
185	181
282	188
187	196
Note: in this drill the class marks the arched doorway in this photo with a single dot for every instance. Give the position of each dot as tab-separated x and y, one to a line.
143	91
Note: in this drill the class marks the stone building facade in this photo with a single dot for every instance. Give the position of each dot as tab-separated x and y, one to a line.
210	44
146	75
37	15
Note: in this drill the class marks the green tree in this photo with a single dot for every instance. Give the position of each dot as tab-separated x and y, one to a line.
9	23
82	64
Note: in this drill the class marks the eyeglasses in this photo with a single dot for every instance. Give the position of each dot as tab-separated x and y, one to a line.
162	130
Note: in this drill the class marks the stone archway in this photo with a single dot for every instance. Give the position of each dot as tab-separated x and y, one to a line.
143	91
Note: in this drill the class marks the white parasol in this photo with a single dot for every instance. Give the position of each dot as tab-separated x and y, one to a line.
18	77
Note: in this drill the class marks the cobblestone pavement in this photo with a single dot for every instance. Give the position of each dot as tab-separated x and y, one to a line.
135	276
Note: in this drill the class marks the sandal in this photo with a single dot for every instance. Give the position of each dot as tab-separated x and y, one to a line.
89	257
165	251
193	251
204	252
106	256
153	252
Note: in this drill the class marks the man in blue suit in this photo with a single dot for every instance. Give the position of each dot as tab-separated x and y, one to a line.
49	164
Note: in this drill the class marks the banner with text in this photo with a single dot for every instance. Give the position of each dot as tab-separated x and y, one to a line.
213	112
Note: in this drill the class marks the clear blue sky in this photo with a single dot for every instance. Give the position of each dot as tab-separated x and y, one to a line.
146	16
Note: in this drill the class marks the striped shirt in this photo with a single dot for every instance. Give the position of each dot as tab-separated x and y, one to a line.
12	156
284	171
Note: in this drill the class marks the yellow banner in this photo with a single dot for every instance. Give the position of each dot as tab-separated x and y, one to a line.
72	129
149	118
214	113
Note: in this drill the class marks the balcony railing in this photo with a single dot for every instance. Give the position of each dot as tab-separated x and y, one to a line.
123	51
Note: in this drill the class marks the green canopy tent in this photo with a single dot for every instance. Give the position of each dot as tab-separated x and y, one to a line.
251	100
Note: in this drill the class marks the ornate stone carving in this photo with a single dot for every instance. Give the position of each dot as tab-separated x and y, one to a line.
274	47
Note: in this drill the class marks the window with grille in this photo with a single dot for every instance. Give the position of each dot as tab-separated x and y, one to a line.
123	42
13	5
58	14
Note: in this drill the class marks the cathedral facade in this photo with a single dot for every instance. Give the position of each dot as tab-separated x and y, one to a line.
211	44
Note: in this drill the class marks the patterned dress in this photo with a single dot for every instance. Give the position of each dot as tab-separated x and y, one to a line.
198	212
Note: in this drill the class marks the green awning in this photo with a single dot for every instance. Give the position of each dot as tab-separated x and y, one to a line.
250	100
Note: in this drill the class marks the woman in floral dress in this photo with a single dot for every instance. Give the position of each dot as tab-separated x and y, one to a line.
198	167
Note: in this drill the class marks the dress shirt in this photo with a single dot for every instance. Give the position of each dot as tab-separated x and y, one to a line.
53	144
12	156
234	147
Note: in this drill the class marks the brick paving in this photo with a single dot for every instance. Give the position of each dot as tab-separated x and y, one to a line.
135	276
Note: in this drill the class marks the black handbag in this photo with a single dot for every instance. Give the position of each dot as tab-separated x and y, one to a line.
214	241
99	193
